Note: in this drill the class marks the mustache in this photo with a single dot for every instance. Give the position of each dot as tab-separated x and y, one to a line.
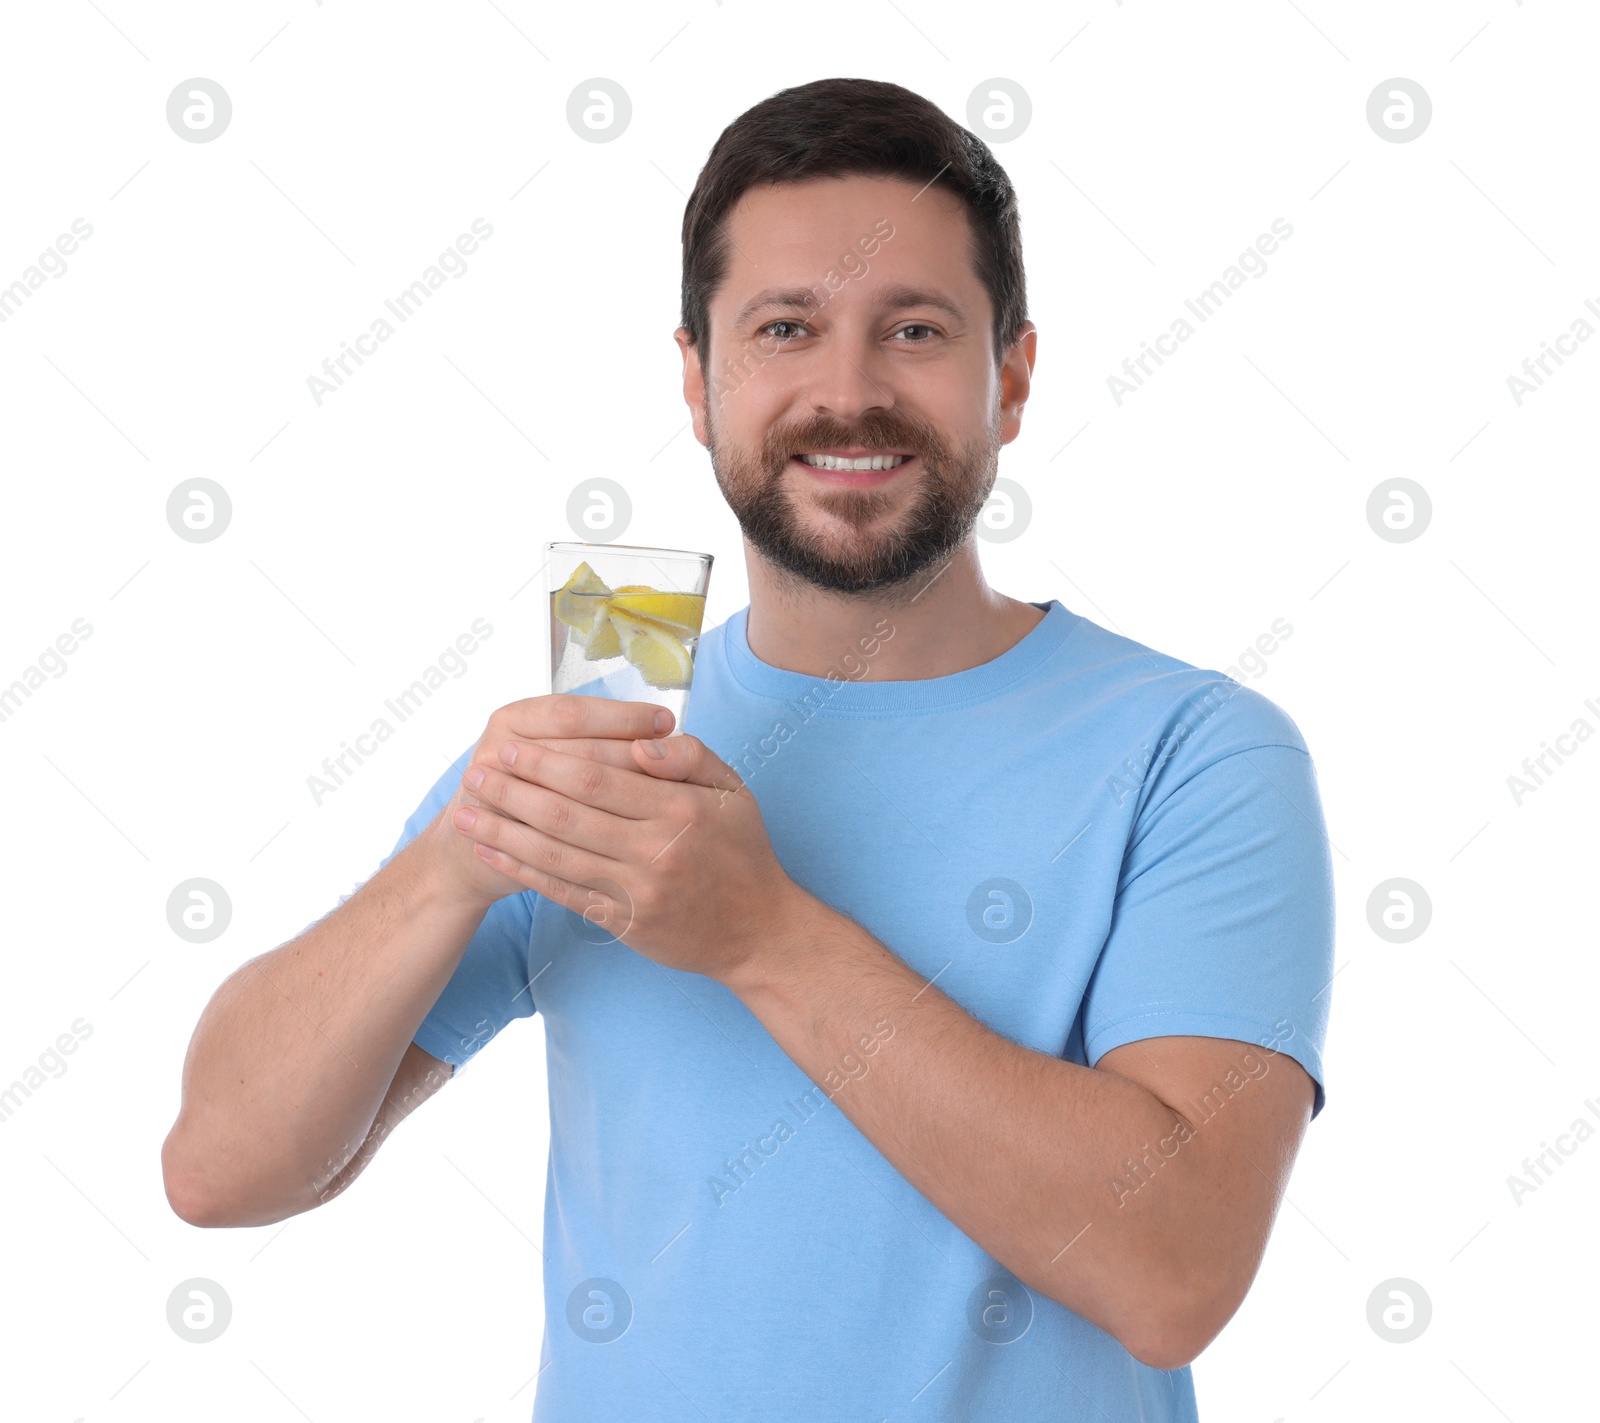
875	432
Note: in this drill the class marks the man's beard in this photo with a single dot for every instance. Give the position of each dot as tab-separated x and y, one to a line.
939	514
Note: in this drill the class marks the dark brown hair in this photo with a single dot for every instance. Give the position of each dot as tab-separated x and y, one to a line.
835	127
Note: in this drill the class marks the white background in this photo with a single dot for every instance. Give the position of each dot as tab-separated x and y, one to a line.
369	531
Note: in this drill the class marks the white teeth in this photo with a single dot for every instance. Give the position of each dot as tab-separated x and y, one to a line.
866	462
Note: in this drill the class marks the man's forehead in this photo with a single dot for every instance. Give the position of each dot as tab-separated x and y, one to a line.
800	211
789	235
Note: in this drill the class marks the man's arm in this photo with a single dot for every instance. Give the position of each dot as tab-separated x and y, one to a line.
1111	1190
418	1077
296	1054
288	1081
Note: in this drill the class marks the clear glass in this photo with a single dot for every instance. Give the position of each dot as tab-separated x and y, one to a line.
625	621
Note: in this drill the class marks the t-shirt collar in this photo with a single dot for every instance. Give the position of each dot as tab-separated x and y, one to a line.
841	692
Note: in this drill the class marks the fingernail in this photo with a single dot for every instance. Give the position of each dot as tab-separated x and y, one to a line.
663	721
654	749
474	777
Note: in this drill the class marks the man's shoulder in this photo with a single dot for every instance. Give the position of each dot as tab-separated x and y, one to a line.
1154	695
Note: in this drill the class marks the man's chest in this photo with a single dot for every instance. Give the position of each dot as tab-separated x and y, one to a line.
993	876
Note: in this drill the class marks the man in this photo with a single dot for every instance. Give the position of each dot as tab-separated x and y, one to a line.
933	1026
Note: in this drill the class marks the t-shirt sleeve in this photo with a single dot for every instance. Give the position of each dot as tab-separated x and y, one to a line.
1223	922
490	986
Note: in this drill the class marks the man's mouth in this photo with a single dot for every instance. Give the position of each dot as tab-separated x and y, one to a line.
849	461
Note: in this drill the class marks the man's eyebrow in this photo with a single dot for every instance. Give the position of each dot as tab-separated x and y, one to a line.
899	296
805	298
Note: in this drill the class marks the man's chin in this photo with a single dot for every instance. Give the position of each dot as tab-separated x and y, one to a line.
847	540
847	566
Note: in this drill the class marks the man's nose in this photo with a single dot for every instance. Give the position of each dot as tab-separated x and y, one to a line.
847	378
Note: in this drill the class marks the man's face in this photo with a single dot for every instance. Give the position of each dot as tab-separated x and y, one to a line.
851	324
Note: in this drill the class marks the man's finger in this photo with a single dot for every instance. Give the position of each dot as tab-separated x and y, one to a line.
605	749
687	759
568	716
547	775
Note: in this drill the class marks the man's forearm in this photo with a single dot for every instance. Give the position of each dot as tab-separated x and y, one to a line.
1017	1148
294	1054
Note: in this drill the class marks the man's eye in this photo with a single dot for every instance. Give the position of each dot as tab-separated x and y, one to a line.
915	326
770	328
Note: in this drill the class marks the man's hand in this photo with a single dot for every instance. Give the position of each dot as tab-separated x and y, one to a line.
670	855
595	728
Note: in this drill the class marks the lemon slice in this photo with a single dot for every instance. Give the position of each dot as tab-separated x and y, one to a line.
578	599
636	588
601	641
684	612
653	648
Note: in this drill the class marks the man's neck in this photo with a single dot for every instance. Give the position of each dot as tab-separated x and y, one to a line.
944	620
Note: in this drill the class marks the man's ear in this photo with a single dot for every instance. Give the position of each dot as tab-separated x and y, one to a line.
1016	372
694	383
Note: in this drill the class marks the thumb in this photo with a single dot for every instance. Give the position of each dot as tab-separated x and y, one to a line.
688	759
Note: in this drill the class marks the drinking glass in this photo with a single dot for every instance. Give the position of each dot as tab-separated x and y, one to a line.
625	621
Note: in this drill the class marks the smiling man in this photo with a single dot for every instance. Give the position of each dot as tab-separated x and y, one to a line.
933	1026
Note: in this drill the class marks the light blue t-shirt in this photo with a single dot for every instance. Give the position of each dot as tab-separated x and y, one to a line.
1084	841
